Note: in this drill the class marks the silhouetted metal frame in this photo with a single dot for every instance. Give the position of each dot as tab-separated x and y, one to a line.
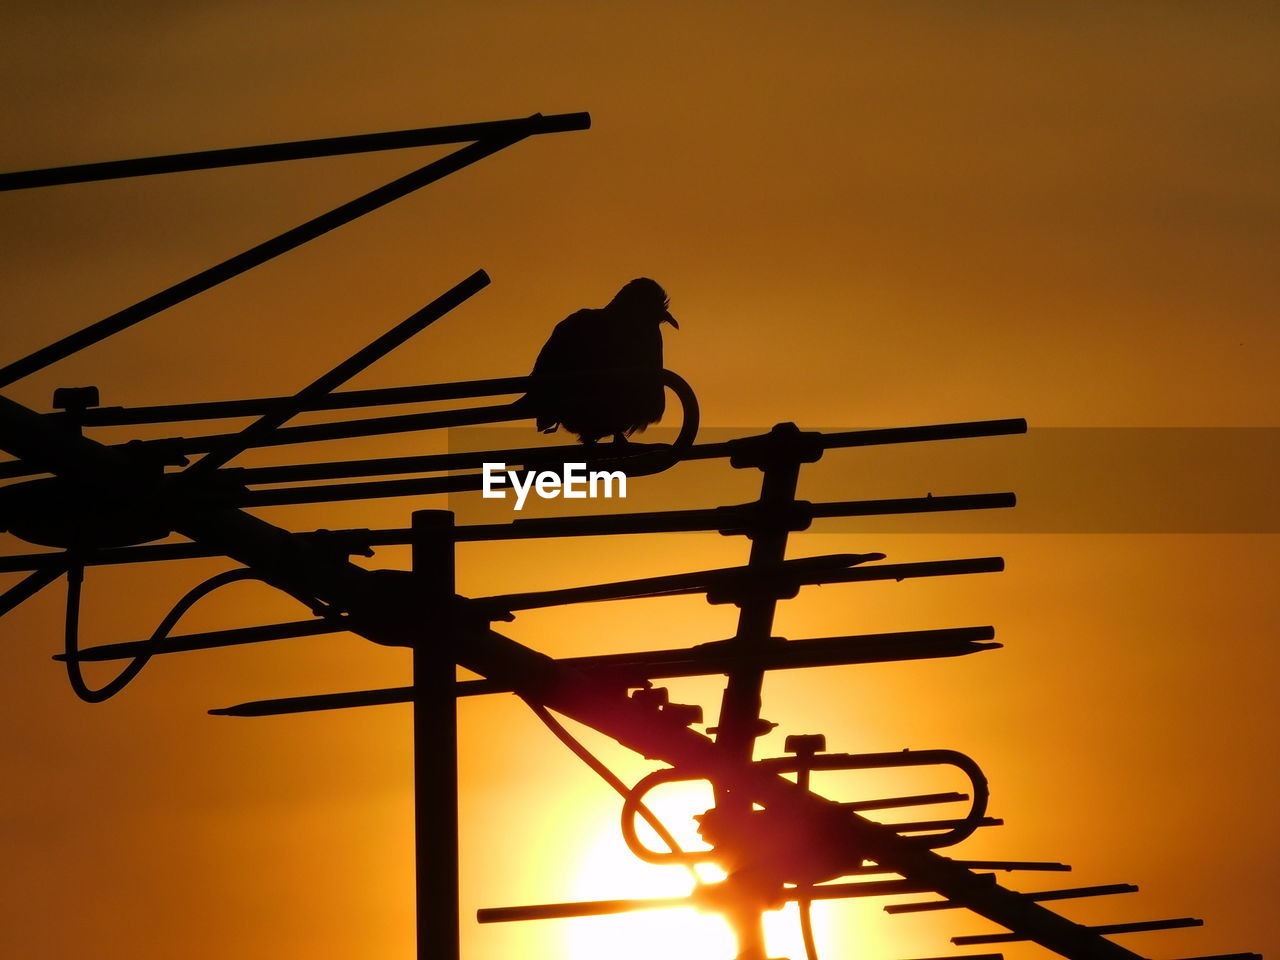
292	150
327	581
492	140
435	741
628	668
634	459
293	565
268	425
723	519
740	723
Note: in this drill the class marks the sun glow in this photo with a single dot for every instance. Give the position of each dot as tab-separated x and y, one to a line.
675	934
609	871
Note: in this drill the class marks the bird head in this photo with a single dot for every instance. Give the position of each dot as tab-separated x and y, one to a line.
644	298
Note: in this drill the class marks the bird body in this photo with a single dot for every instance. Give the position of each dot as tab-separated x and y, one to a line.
600	372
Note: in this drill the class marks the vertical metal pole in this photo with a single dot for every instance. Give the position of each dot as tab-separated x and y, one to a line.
740	707
435	743
740	722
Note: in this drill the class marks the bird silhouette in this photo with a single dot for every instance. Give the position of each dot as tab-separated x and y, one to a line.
600	372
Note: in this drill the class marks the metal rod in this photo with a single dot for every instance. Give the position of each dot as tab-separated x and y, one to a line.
699	519
587	908
804	751
381	466
324	701
256	407
717	657
929	504
423	486
210	640
598	908
903	571
435	742
841	891
30	585
526	456
783	573
634	669
469	688
1074	893
920	825
292	150
433	463
255	256
952	431
420	487
261	430
1102	930
665	521
790	574
868	438
368	427
142	554
672	521
1038	896
1141	926
739	723
919	800
698	451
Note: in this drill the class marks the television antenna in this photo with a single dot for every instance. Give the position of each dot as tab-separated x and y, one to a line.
777	839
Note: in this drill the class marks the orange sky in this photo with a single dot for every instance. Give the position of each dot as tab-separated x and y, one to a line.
865	214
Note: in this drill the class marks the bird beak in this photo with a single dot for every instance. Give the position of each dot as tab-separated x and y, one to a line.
668	318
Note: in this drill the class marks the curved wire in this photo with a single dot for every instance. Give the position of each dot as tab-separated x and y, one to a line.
964	828
71	634
804	905
806	929
647	462
579	750
691	415
633	803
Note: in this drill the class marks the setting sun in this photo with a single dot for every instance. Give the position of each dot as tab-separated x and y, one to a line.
608	871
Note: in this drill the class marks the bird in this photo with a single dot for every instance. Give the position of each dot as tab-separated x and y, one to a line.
600	372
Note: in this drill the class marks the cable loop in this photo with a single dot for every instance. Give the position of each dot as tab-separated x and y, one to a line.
608	776
71	635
